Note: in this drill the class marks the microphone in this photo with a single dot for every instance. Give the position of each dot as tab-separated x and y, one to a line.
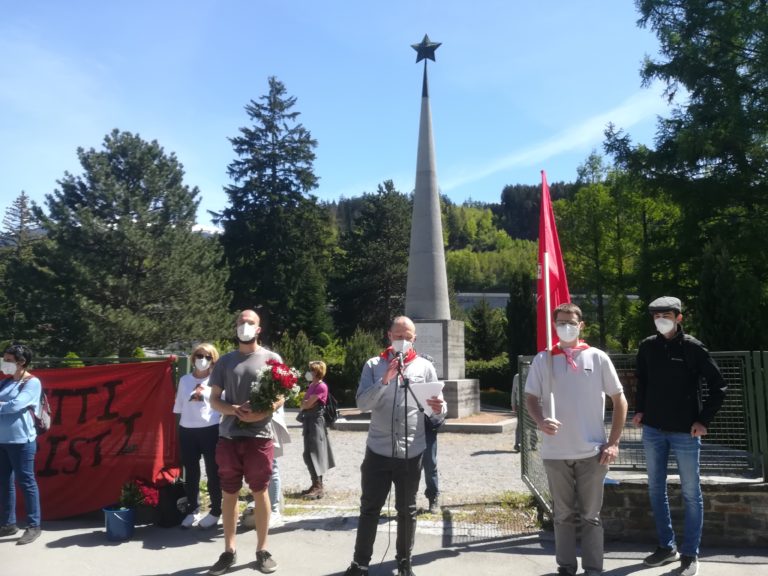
399	356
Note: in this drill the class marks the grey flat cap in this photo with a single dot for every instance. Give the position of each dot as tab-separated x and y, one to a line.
665	303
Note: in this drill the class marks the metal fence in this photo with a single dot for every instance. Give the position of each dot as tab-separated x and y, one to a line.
737	442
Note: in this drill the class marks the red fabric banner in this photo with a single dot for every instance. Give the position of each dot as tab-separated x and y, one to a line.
109	424
549	247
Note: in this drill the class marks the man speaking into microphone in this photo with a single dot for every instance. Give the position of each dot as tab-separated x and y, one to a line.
395	442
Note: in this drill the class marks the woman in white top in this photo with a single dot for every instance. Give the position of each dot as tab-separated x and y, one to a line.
198	435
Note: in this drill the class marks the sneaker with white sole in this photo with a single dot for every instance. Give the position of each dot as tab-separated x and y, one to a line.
192	519
264	562
224	563
662	556
689	566
275	519
209	521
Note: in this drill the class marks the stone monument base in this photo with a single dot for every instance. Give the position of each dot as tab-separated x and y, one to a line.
462	396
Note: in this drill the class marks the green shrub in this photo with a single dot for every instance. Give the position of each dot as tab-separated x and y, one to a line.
495	373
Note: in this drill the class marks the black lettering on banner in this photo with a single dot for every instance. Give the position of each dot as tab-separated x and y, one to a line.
54	442
110	386
73	445
128	422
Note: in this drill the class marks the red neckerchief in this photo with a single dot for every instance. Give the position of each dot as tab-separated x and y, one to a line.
568	353
409	356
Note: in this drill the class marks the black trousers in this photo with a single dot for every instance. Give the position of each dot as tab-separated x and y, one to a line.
196	442
377	474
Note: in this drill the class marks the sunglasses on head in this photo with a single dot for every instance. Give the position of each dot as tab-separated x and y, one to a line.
201	356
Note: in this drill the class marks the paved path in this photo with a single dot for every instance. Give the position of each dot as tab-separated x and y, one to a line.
471	467
474	467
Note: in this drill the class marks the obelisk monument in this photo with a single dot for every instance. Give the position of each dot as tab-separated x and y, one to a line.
426	297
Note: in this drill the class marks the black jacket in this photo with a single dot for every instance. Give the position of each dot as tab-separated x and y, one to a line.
669	392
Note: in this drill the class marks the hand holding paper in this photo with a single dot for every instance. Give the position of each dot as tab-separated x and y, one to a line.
424	390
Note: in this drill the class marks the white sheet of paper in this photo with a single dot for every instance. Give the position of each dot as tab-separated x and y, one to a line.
424	390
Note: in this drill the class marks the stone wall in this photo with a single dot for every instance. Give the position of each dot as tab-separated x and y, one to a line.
735	513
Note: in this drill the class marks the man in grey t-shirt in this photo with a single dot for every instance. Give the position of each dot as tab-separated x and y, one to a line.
245	447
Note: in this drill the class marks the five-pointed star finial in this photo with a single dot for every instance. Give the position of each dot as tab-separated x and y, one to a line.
426	49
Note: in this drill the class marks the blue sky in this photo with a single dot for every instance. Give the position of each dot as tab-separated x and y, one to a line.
518	86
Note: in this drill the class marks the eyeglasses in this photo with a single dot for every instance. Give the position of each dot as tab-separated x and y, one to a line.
201	356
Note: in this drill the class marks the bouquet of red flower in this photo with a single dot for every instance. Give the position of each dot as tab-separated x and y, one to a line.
137	492
274	380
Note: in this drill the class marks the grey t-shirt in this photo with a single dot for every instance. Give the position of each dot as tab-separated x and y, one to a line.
234	373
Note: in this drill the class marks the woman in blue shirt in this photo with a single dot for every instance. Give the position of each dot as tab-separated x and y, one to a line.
19	392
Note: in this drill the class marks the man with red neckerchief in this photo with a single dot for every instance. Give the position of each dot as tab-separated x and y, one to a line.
395	443
571	382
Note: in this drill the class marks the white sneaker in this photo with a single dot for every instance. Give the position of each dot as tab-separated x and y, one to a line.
192	519
275	519
209	521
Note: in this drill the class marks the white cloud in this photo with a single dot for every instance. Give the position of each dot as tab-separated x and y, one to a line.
642	106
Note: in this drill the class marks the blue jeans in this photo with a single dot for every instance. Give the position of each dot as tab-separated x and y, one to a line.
18	460
657	444
274	487
432	490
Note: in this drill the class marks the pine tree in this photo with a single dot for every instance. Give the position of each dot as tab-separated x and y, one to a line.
485	332
120	266
19	231
521	318
371	268
277	237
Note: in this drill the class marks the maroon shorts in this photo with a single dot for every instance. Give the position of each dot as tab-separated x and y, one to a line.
249	458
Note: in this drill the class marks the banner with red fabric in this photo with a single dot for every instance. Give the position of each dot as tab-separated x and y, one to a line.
551	288
110	424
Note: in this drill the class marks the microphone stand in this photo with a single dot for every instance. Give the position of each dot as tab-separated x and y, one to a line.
407	388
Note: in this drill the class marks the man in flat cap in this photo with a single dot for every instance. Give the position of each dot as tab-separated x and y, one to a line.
674	416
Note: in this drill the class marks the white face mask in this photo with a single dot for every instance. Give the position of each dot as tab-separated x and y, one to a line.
8	368
202	364
402	345
664	325
308	376
567	332
246	332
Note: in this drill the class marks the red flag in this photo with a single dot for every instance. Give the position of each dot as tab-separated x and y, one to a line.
551	291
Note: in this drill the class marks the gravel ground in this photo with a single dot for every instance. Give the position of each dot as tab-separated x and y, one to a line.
471	467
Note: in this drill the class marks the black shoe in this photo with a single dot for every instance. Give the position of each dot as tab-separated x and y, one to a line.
516	448
434	508
563	571
224	563
689	566
662	556
264	562
356	570
8	530
404	568
31	534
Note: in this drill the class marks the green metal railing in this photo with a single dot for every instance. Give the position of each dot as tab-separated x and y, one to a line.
737	442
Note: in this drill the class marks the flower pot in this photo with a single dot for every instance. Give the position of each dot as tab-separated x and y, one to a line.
119	523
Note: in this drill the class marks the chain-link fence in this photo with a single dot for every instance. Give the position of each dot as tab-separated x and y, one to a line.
734	446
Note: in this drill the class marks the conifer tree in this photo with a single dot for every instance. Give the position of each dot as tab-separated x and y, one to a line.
277	237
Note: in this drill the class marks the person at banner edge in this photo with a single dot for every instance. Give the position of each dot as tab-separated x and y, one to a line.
243	451
575	450
19	397
675	415
198	436
391	436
